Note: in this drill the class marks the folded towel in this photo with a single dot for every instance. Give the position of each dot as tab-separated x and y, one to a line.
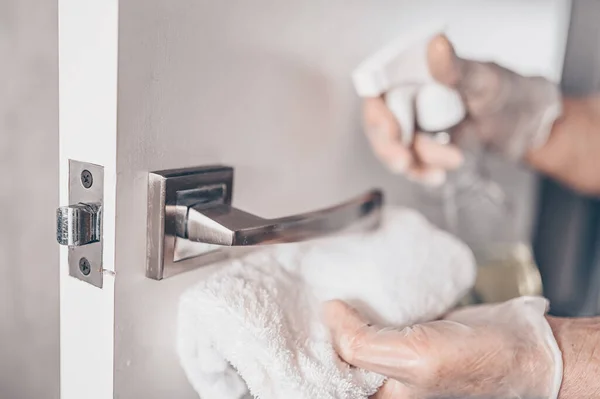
253	328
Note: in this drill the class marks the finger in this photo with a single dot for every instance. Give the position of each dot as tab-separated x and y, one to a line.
393	389
426	176
383	133
394	156
379	122
432	153
384	351
432	159
469	135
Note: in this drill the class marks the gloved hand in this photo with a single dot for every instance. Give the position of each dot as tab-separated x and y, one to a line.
505	112
502	351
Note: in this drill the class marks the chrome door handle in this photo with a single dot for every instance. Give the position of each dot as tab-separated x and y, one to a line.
191	219
222	224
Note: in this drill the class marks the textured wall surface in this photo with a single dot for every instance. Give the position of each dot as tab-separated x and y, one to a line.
29	328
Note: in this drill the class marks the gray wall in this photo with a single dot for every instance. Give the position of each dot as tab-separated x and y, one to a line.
264	86
29	329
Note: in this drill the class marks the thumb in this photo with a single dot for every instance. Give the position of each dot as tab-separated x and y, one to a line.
384	351
444	65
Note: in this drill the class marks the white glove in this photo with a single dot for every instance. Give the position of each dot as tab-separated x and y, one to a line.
498	351
506	112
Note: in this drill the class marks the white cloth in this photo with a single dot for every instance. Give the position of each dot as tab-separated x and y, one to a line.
253	327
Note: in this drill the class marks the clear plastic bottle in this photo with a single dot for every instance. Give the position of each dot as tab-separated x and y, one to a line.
475	206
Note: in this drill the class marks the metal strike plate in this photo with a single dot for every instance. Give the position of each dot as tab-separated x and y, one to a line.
170	192
79	225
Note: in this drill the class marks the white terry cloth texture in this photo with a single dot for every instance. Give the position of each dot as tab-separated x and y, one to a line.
253	328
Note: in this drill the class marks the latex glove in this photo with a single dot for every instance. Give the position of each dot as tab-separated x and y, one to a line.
491	351
505	112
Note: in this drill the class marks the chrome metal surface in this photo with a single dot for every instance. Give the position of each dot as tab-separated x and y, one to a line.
190	220
222	224
80	225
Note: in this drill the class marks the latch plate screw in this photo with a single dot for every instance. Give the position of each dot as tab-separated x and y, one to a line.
86	178
84	266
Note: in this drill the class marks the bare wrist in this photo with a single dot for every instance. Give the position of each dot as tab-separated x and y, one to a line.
579	342
571	153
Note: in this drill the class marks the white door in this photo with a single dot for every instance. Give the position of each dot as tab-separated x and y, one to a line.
262	86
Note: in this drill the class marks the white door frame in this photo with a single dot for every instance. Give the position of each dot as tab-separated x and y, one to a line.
88	39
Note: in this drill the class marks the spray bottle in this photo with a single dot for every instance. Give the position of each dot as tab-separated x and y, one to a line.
399	72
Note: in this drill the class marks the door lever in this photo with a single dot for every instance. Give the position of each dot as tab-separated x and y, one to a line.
191	219
222	224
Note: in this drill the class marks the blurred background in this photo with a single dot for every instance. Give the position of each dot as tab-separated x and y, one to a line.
560	227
